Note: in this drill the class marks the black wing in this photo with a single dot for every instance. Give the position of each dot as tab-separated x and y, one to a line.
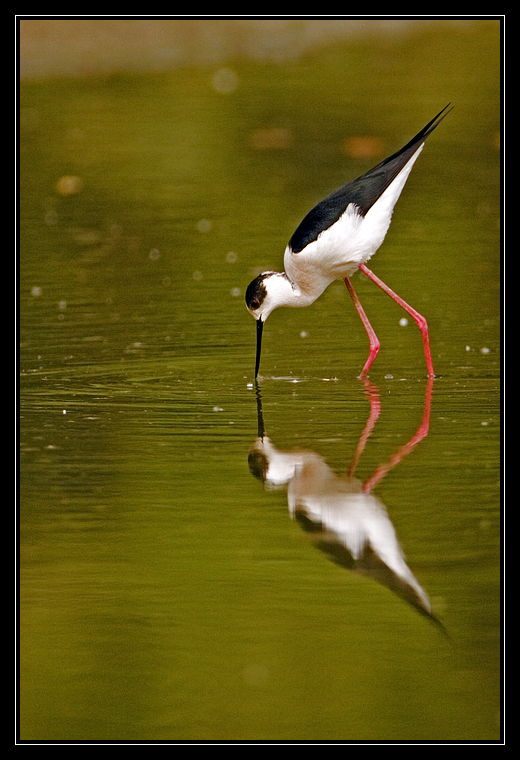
363	191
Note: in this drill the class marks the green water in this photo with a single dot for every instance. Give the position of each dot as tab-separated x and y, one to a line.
165	594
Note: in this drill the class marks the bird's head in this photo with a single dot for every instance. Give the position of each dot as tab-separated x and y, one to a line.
260	295
263	295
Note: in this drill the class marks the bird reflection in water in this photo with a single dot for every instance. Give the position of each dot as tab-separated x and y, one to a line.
347	521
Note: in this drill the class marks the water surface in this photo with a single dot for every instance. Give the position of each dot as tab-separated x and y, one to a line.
166	592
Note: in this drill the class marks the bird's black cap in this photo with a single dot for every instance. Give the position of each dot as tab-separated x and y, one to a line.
256	292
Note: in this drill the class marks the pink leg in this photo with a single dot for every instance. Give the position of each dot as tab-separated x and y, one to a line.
372	337
418	318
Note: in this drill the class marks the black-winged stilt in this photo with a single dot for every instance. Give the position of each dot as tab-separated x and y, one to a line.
337	237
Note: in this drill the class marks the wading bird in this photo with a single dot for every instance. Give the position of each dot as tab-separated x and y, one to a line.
337	237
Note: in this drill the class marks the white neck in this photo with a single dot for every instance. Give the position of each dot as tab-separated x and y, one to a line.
282	292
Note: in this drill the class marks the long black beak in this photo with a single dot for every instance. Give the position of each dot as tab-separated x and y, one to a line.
259	328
